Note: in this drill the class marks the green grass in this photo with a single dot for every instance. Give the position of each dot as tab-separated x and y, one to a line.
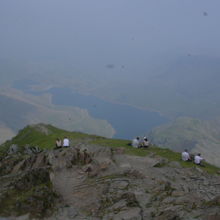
117	143
33	136
163	152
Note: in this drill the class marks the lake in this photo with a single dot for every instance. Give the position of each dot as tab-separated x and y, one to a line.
128	121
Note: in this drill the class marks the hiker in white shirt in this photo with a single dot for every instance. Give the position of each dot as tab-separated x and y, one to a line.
136	142
145	143
185	155
66	142
198	159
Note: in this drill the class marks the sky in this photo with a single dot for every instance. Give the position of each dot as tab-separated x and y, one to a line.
125	37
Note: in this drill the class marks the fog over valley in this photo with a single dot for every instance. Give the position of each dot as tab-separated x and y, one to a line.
118	68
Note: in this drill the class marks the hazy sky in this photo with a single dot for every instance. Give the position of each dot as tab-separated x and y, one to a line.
134	35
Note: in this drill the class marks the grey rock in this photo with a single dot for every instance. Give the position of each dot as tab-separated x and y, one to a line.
130	214
120	184
160	162
13	149
32	150
168	215
98	183
175	164
122	204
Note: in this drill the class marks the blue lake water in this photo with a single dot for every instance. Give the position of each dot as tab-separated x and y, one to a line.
127	121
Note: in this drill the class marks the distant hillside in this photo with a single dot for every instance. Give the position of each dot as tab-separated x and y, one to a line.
198	136
6	133
190	87
18	110
13	113
187	86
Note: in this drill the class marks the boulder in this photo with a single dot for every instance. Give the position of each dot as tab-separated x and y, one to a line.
168	215
31	150
13	149
129	214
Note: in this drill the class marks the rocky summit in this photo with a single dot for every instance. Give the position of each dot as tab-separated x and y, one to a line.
101	179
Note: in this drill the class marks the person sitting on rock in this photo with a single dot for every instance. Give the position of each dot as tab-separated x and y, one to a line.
66	142
145	143
136	142
58	143
186	156
198	160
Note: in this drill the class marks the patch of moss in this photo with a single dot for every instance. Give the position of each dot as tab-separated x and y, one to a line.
213	202
38	201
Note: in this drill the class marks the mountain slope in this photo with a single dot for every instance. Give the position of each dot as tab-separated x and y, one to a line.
187	86
44	136
198	136
99	178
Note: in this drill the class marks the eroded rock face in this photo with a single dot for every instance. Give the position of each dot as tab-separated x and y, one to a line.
94	183
27	192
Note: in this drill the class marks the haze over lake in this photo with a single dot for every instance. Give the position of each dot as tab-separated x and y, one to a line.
128	121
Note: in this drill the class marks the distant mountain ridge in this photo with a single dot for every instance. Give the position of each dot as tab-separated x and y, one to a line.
187	86
198	136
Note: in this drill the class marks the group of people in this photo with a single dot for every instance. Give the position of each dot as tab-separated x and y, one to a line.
62	143
196	159
140	143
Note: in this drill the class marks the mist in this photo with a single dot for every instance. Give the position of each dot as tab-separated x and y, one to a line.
136	38
158	55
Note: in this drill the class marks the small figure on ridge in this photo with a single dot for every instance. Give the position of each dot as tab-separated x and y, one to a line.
186	156
145	143
198	160
136	142
58	143
66	142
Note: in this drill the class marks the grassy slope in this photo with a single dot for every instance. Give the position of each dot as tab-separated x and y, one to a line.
163	152
33	135
194	134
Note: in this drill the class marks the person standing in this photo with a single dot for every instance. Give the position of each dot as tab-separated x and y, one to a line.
66	142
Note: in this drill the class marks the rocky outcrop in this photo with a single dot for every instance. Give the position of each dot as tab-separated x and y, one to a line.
93	182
